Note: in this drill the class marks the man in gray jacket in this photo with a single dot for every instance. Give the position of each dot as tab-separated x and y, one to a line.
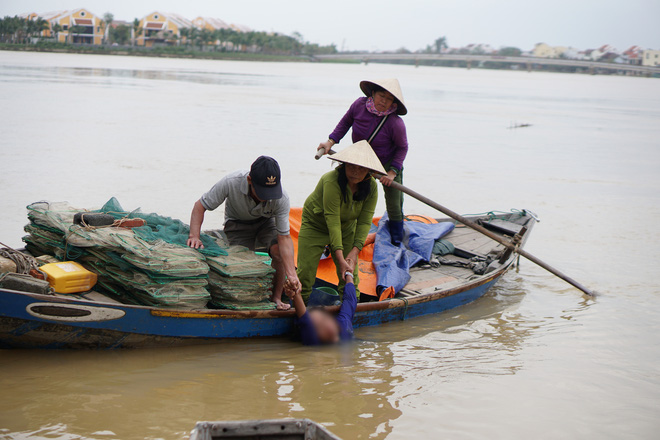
256	216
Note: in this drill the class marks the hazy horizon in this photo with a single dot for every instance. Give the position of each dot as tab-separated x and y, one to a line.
388	25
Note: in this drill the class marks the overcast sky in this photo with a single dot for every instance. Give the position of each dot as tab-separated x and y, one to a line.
388	25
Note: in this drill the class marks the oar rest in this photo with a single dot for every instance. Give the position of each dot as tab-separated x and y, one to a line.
516	241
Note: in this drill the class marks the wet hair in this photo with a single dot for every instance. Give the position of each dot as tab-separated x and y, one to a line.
364	187
296	335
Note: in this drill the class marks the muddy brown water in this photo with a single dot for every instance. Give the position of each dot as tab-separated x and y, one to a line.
532	359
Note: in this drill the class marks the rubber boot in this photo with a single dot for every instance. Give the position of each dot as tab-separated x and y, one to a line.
396	231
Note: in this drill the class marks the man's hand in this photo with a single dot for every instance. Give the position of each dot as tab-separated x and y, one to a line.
196	219
195	243
388	179
292	287
295	283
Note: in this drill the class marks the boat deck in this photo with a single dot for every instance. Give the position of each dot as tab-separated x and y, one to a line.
429	279
425	279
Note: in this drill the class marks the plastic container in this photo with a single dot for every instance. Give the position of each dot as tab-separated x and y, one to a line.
68	277
324	296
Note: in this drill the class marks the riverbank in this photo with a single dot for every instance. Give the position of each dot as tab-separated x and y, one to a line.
161	52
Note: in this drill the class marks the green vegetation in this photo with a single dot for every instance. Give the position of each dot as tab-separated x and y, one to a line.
161	51
189	41
509	52
21	30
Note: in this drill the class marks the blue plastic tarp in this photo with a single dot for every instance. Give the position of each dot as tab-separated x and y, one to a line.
393	263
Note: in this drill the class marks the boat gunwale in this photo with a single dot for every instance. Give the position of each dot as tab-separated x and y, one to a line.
271	314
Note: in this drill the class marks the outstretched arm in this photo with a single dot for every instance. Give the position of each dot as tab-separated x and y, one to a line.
196	220
288	257
292	289
349	302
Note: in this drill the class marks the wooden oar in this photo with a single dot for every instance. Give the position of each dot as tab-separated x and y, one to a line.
321	152
459	218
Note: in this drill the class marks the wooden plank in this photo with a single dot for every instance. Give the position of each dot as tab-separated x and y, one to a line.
433	282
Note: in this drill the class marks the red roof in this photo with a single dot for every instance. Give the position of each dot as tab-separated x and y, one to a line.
152	25
84	22
633	52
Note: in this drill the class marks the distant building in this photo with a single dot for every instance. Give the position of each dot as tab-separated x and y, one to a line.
633	55
571	53
162	28
651	58
212	24
604	53
474	49
543	50
87	27
77	26
240	28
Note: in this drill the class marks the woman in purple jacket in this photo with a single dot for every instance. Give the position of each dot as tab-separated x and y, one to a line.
376	119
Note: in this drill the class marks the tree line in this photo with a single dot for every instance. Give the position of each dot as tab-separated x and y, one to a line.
19	30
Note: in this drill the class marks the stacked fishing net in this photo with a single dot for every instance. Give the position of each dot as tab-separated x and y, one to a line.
240	280
148	265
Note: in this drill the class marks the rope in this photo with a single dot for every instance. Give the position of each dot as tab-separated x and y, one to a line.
493	215
24	262
405	309
88	227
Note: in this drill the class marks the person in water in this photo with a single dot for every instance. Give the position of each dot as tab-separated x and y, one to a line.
256	216
339	212
376	118
317	326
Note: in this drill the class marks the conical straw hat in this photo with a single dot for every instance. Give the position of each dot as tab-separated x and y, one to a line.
391	85
360	153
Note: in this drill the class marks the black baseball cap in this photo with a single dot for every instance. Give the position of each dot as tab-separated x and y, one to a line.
266	178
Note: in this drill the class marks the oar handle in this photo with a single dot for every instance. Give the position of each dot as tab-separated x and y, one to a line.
321	152
459	218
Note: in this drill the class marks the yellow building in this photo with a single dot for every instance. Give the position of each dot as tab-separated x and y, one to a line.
542	50
87	27
212	24
651	58
162	28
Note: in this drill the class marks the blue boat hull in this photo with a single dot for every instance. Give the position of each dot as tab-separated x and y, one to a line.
43	321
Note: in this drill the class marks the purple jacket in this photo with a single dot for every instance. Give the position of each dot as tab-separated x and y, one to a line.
391	142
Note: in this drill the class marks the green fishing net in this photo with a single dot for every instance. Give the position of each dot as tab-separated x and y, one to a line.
152	265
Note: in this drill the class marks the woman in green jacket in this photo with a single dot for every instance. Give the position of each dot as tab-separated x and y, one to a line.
339	213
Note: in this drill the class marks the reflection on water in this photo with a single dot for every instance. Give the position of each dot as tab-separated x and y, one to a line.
42	74
355	389
157	393
532	359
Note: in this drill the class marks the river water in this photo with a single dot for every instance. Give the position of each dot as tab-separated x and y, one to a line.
532	359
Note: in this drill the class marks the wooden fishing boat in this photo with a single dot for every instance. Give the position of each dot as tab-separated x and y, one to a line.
93	320
293	429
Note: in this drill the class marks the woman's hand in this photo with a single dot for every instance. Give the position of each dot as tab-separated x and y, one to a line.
388	179
342	265
352	259
326	146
